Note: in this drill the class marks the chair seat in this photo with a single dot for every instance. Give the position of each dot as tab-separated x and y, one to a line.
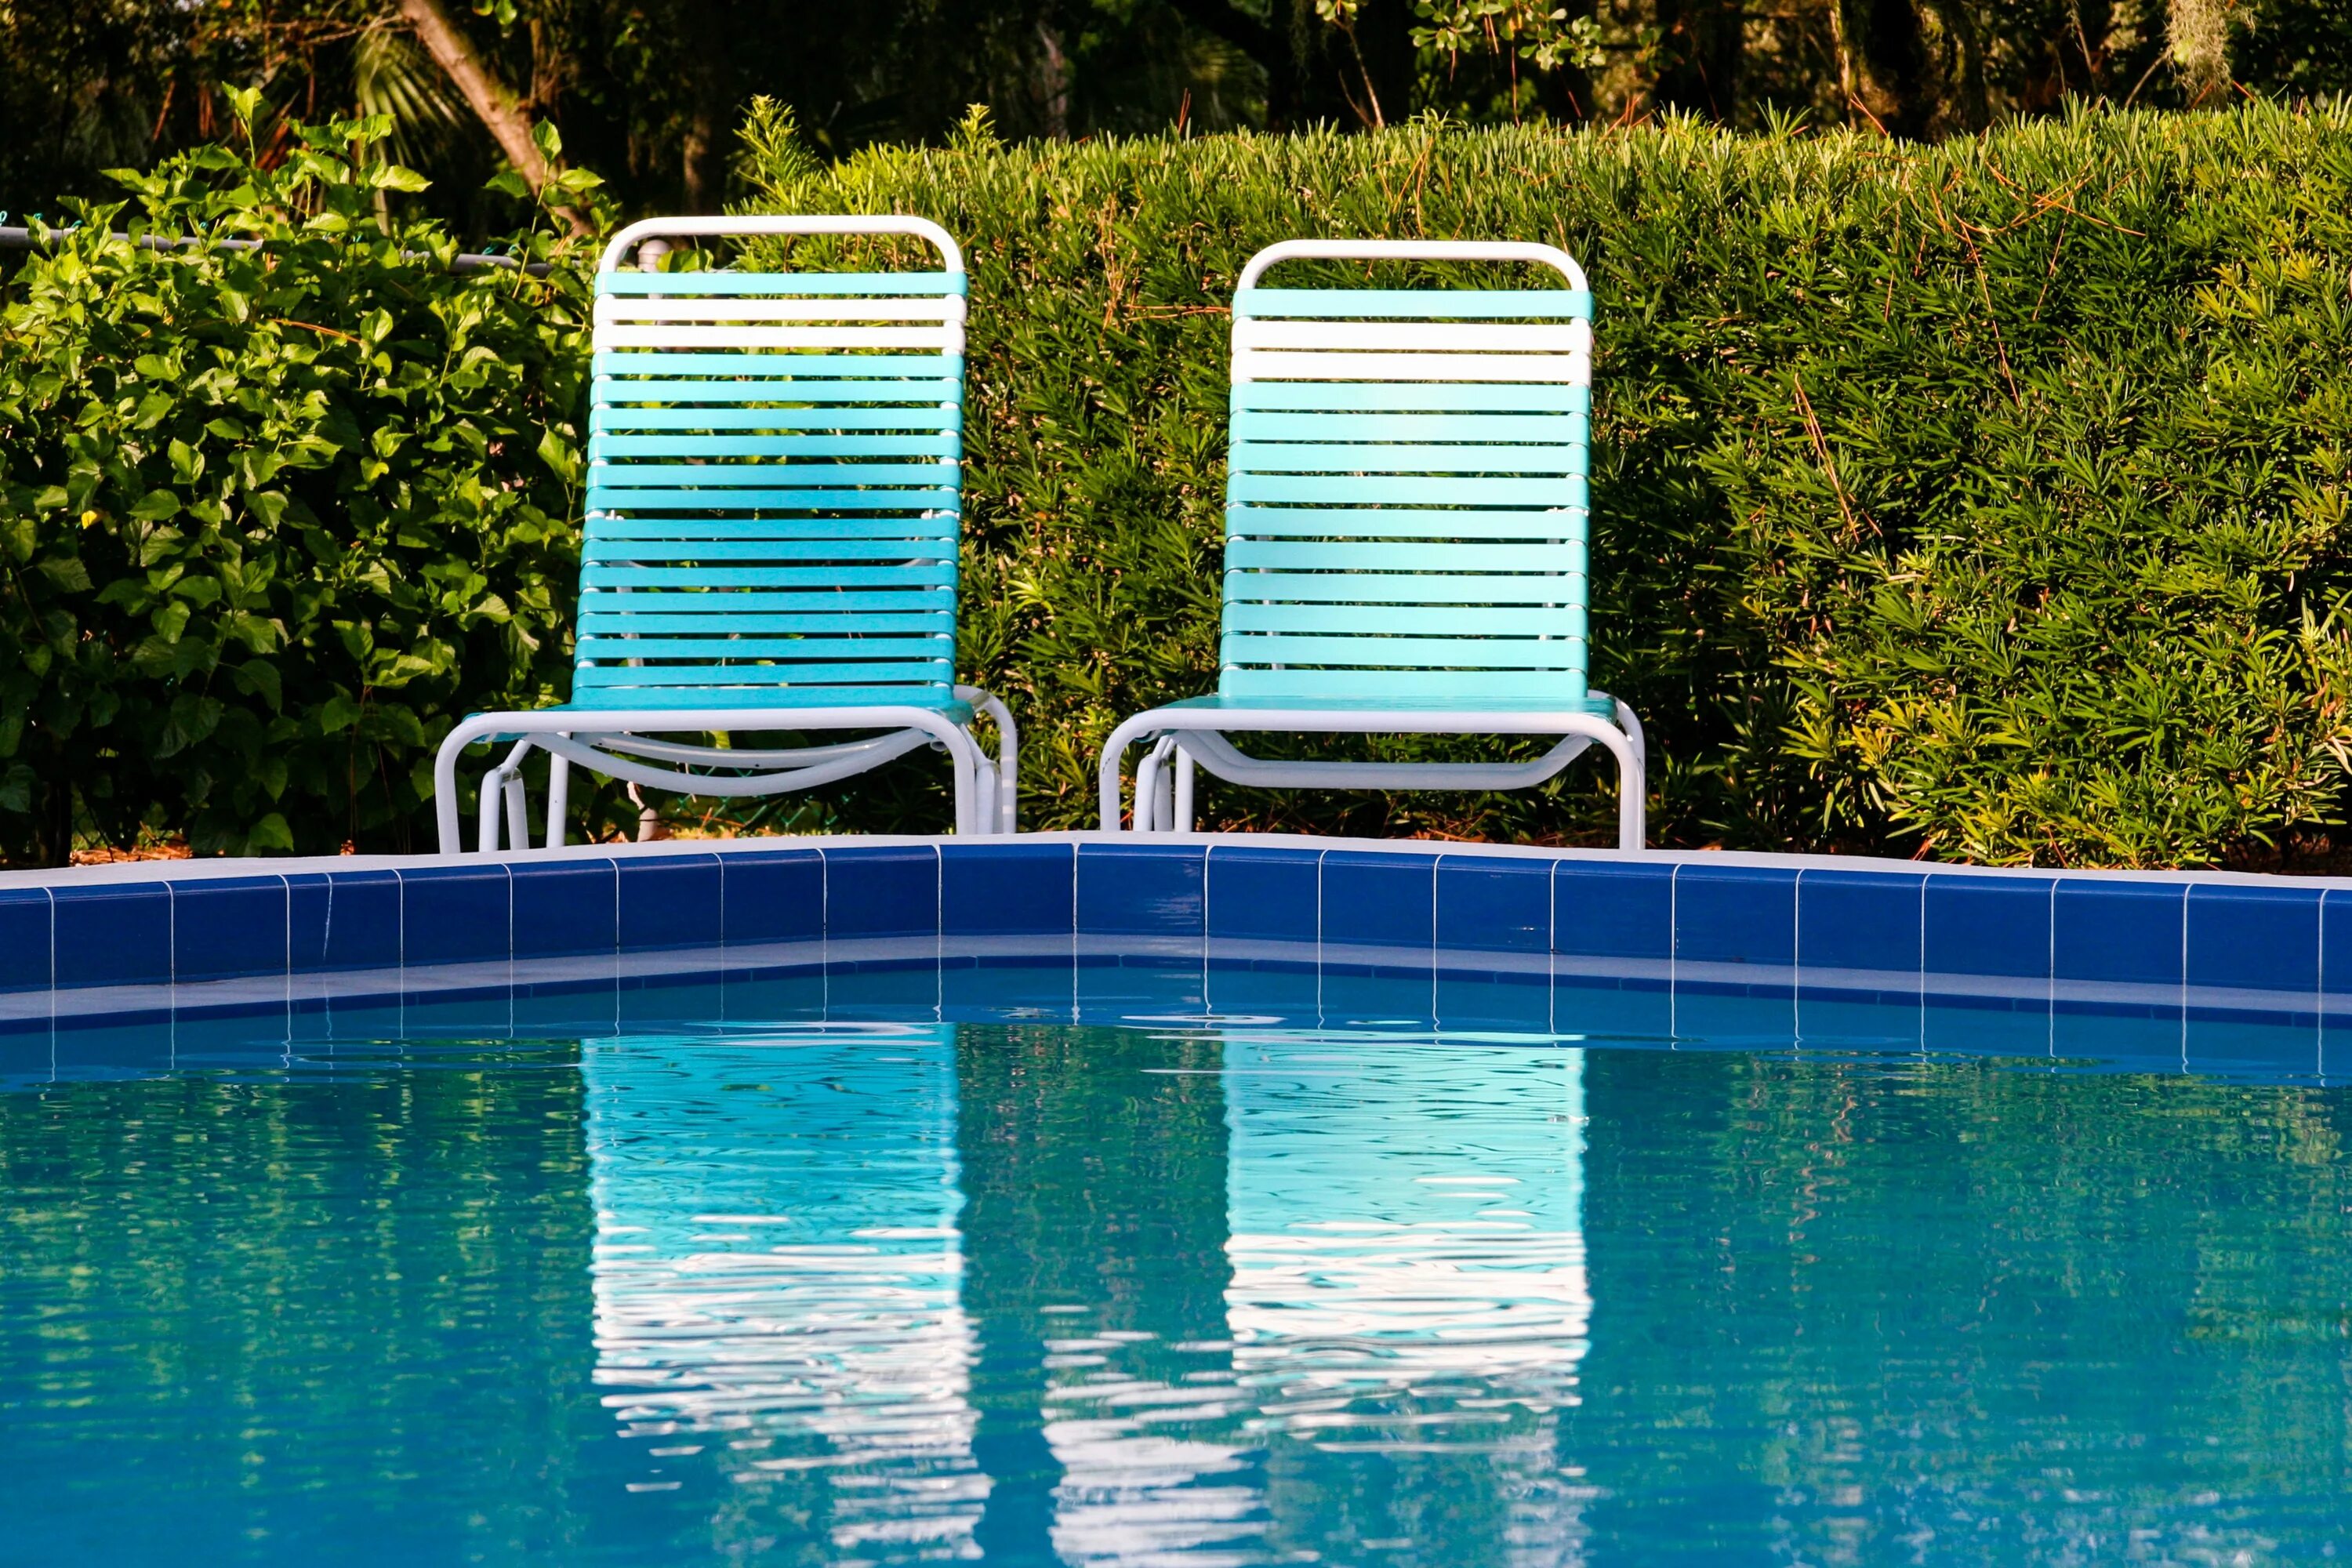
1597	702
767	700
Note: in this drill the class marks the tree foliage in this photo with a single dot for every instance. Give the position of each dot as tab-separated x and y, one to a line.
647	92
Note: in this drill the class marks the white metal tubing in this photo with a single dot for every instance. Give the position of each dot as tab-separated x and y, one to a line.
495	794
1413	250
518	811
1183	820
550	727
1222	758
1632	724
1633	773
721	785
1147	784
1008	754
559	798
983	780
781	223
867	753
485	829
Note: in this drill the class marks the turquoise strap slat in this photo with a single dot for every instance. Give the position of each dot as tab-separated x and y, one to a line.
603	624
1358	555
765	363
939	697
905	285
1405	620
1550	701
1420	304
910	444
1384	457
929	646
1434	687
819	395
1341	491
1398	588
941	576
1561	430
695	564
610	419
1371	651
645	552
1397	522
1408	396
753	601
608	677
853	525
602	498
614	476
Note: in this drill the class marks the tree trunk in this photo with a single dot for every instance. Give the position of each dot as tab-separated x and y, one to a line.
1054	83
711	71
1702	42
1895	56
492	101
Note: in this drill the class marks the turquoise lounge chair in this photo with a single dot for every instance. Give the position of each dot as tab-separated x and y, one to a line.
1406	536
774	473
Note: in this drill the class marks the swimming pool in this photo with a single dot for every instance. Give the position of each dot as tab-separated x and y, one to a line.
1155	1240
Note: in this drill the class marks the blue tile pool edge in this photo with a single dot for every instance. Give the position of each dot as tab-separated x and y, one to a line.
2151	945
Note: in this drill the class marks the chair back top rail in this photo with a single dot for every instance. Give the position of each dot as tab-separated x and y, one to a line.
625	242
1408	499
774	479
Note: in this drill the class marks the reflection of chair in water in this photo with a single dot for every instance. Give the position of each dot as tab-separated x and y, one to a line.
1408	1258
778	1266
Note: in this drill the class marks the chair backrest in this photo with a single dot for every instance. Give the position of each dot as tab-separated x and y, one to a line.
774	467
1406	517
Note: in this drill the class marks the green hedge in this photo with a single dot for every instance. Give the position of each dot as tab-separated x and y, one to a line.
1985	498
270	522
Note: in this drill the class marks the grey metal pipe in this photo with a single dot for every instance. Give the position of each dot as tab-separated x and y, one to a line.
16	237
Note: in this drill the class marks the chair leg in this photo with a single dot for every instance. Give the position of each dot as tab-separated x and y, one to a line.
488	816
1183	821
559	799
1008	755
502	797
1150	795
984	785
1633	755
518	811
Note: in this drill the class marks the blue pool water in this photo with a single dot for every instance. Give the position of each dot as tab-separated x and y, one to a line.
1105	1269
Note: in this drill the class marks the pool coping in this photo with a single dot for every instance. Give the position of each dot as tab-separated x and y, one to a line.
132	941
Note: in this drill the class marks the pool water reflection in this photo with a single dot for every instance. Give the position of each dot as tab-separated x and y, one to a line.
1204	1287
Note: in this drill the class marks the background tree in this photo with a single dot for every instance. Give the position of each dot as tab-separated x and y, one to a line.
649	93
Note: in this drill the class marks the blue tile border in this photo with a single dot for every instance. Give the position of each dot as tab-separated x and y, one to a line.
118	934
2143	945
1735	914
2118	934
1986	927
1142	888
1862	921
1007	888
25	920
1263	893
1375	900
1614	909
1492	905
